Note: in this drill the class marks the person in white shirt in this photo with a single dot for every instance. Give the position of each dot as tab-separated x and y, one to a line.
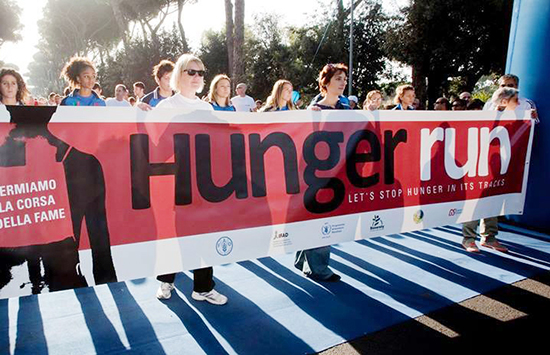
187	80
120	92
242	101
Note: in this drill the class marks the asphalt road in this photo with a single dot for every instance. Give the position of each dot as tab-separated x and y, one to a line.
513	319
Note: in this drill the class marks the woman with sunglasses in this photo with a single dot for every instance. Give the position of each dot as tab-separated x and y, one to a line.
218	96
187	80
280	98
81	75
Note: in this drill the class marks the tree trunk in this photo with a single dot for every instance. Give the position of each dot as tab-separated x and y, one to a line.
340	23
238	44
419	82
180	25
229	38
115	5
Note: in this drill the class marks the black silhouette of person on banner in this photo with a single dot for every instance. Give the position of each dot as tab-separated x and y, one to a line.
47	188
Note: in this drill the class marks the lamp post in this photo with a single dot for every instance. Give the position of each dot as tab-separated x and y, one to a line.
350	79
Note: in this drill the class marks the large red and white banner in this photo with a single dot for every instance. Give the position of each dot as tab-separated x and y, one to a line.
124	194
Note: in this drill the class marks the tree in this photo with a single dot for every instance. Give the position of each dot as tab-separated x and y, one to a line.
212	45
96	28
326	40
10	24
149	14
442	39
266	56
229	42
79	27
234	29
135	62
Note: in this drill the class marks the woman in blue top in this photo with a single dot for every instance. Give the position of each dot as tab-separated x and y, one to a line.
404	97
81	75
333	80
220	90
280	98
13	90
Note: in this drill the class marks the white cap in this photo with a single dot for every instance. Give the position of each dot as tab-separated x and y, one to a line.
353	98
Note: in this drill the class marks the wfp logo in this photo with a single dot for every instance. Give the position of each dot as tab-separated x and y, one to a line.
455	212
326	229
377	223
224	246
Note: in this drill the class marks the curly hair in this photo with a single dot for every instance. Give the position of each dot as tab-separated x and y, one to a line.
22	91
74	67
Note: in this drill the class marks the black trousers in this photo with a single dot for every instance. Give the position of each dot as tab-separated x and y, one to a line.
203	279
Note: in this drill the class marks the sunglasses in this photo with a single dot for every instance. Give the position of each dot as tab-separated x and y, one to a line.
193	72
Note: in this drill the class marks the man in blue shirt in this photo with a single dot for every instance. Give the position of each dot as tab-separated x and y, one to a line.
162	72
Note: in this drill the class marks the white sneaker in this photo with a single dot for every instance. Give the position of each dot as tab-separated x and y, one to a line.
212	296
165	291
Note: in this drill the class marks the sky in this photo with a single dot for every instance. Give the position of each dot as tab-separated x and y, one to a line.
291	12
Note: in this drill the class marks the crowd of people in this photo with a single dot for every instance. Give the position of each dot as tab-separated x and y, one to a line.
84	90
177	87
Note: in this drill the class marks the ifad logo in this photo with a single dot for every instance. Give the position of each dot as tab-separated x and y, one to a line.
280	235
224	246
418	216
281	239
377	223
455	212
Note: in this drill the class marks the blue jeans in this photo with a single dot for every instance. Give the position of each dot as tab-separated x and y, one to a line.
314	262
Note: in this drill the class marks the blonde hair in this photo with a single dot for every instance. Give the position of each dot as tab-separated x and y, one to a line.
181	66
272	102
212	95
369	97
400	91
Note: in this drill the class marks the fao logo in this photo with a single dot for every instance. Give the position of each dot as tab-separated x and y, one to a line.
326	229
224	246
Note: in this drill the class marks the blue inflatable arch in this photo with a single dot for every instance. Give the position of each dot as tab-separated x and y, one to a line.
529	59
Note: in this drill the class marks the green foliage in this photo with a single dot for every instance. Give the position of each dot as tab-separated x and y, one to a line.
370	24
441	39
45	70
213	53
135	62
485	87
10	24
267	57
76	27
451	38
